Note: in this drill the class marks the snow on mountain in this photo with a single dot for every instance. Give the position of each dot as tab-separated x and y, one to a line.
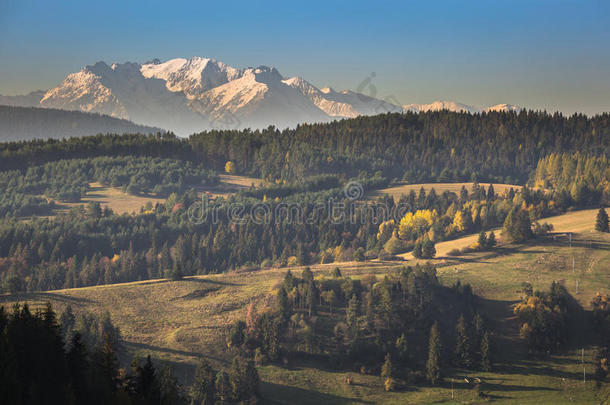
344	104
195	94
503	107
459	107
258	98
192	76
441	105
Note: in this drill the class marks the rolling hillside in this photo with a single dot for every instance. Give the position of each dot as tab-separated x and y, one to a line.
181	320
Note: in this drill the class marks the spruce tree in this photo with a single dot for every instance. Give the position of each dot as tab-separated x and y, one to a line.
203	389
601	222
223	387
235	380
462	344
433	365
491	240
402	347
485	352
428	249
251	380
282	304
490	193
482	240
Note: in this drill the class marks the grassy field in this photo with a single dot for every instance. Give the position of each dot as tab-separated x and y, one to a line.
112	197
231	183
121	202
179	321
439	188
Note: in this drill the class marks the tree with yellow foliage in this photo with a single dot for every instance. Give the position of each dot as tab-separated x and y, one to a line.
230	167
412	225
386	228
459	222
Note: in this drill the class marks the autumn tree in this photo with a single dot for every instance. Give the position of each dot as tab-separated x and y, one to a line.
230	167
387	373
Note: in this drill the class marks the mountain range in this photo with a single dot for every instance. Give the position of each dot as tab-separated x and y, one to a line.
191	95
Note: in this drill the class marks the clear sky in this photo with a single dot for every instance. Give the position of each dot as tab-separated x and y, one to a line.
552	55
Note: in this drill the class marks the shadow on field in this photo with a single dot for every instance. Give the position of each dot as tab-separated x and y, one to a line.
132	346
283	394
206	281
528	368
487	255
44	296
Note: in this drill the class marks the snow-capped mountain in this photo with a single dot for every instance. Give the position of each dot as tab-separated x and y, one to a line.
441	105
503	107
258	98
341	104
459	107
191	95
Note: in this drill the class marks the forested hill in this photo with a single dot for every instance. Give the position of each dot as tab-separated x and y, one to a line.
435	146
24	123
427	147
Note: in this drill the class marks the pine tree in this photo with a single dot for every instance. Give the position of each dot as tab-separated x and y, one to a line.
203	389
428	249
386	368
462	344
433	365
168	387
282	304
235	380
223	387
485	352
490	193
351	312
601	222
601	364
402	347
251	380
78	367
482	242
147	385
491	240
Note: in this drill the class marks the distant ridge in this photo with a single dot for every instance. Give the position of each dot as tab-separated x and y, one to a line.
27	123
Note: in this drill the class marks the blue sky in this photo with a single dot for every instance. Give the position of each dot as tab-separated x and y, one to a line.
552	55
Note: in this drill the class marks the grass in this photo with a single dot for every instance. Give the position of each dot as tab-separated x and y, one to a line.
179	321
439	188
120	202
112	197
